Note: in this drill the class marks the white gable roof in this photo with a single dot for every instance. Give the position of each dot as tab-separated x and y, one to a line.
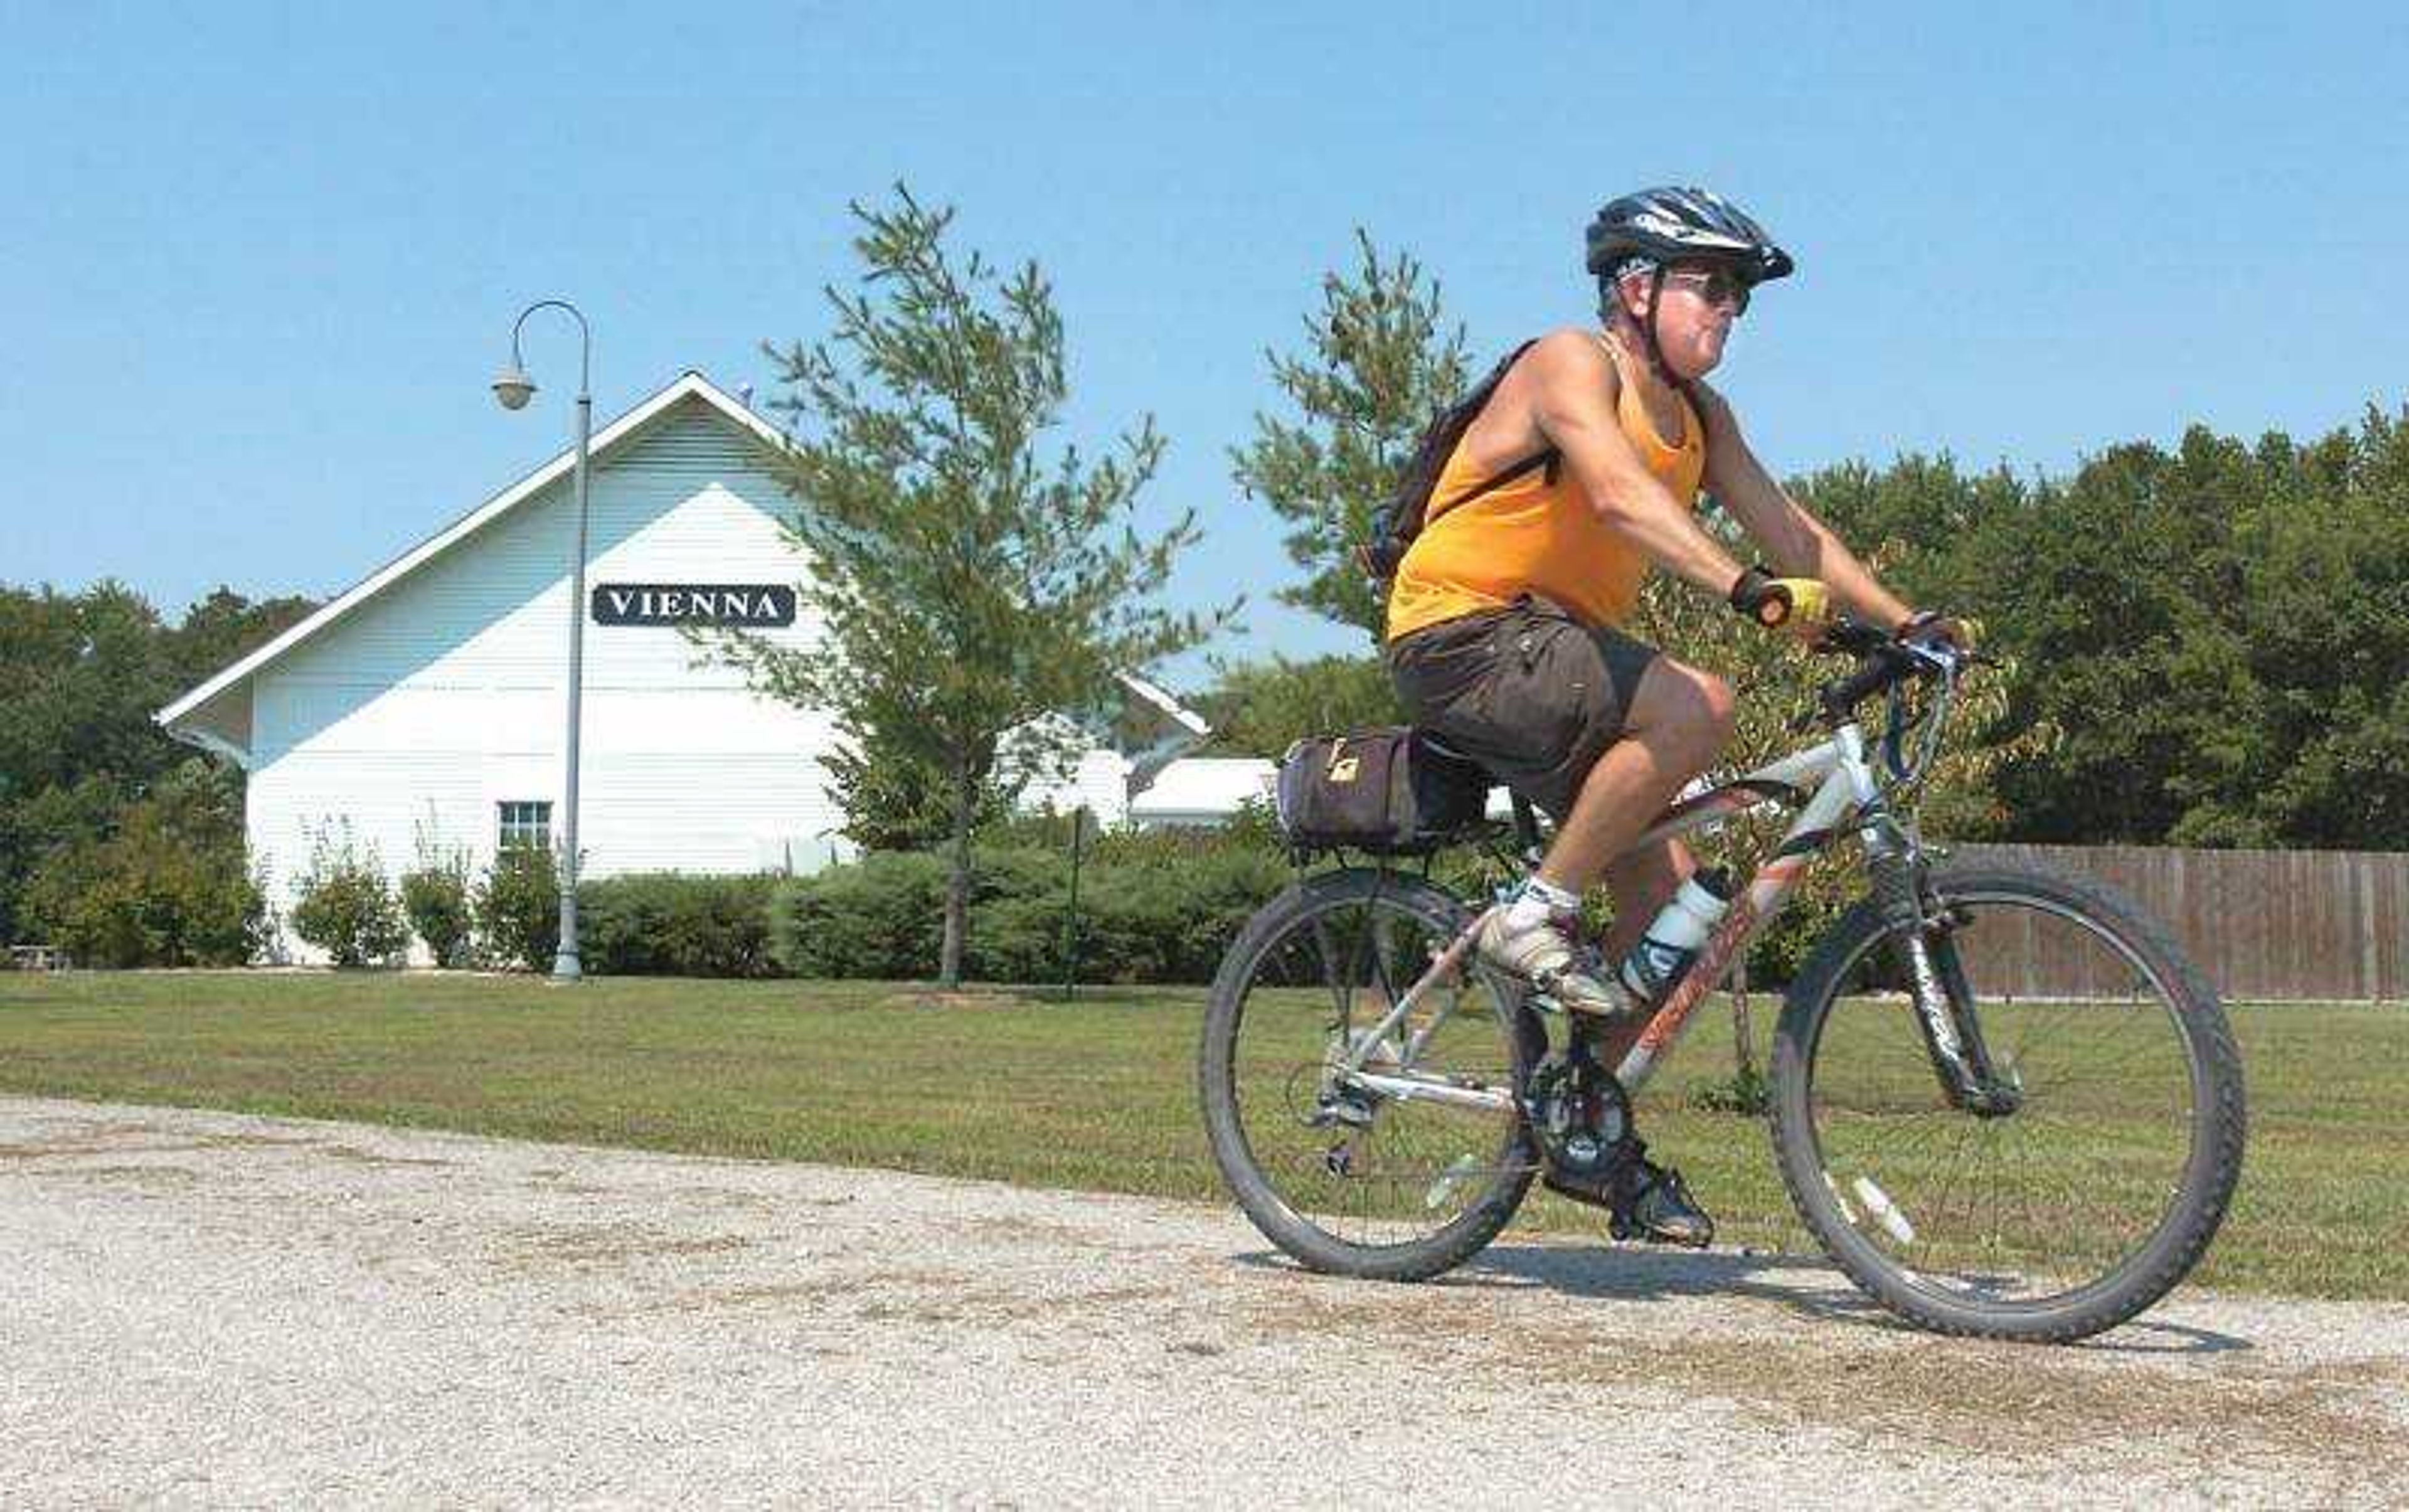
689	385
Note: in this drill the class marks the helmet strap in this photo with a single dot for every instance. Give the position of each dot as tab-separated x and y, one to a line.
1655	352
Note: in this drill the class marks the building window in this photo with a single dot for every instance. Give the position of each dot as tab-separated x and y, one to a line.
525	822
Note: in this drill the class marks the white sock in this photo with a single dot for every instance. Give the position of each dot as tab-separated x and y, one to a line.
1539	901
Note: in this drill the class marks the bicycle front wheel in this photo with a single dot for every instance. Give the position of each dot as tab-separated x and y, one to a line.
1408	1165
2096	1185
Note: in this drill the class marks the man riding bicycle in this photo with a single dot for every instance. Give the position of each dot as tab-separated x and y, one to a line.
1581	471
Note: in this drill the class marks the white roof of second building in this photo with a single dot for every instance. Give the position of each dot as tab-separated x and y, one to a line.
1205	785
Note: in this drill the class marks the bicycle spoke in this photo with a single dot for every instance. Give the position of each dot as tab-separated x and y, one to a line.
2074	1178
1341	995
1409	1168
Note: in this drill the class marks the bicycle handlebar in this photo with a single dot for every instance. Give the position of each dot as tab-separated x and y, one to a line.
1886	660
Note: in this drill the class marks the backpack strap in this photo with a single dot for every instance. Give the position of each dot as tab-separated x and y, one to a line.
1548	457
1551	458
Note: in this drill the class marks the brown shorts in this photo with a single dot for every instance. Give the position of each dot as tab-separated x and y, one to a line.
1527	691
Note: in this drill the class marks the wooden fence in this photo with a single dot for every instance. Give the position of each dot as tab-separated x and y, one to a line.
2266	926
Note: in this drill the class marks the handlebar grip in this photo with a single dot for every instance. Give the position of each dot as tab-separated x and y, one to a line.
1854	637
1844	694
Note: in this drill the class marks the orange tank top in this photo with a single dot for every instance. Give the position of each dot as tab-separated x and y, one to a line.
1536	534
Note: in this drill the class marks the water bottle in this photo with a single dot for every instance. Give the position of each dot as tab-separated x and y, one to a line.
1671	942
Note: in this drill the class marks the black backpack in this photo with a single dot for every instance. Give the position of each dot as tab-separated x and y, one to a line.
1401	517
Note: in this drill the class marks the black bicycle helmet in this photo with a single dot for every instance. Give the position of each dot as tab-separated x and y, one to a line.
1676	225
1665	227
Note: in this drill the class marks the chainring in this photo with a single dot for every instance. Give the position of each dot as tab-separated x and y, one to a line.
1581	1115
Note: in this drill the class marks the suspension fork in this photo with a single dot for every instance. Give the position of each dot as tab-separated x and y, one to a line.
1937	986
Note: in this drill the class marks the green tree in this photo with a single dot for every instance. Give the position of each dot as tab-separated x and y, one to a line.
2114	580
969	575
2310	744
436	896
1926	514
514	908
1264	707
2212	632
1380	363
221	629
893	800
81	675
169	886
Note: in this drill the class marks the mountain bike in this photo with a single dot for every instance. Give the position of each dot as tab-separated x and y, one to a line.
2001	1098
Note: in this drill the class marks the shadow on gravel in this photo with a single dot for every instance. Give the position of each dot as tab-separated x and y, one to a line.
2145	1337
1643	1275
1802	1284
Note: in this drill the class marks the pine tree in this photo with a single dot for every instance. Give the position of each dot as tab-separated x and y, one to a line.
1379	364
969	575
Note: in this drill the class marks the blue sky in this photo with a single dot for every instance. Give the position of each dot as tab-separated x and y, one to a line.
258	265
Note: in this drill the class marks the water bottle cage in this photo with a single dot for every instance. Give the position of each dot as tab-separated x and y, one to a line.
1656	966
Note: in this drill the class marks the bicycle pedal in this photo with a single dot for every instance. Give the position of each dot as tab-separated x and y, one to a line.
1702	1240
1338	1110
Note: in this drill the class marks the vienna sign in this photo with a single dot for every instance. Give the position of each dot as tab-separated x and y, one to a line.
756	605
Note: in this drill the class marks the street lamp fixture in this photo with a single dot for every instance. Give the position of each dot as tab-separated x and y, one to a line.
513	388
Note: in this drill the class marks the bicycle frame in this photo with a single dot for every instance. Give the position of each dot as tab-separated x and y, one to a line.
1834	785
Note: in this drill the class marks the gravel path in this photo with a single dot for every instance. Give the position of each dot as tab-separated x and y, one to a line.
203	1308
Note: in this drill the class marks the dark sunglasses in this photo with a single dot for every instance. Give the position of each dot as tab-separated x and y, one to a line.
1715	285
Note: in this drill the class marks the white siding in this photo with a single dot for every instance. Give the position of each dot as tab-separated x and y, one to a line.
444	694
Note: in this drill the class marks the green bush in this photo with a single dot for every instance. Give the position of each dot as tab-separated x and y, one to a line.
1161	905
516	909
344	906
169	888
880	916
436	899
665	924
1151	909
435	896
1018	901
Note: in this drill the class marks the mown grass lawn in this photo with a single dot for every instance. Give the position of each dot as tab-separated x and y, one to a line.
1095	1094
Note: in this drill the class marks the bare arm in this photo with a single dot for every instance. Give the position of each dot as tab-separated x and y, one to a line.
1794	542
1574	410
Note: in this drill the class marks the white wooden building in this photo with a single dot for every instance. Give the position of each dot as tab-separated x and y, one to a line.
425	705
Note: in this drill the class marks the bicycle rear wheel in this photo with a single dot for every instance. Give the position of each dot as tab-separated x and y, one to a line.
1347	1178
2103	1182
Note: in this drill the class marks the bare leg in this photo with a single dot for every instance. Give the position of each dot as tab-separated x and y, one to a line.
1678	719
